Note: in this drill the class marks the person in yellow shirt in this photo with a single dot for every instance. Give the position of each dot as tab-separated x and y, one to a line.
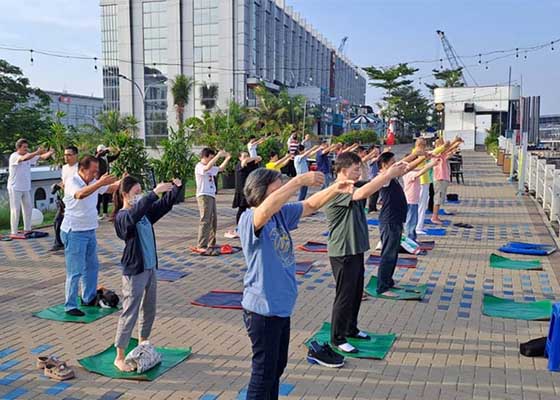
275	163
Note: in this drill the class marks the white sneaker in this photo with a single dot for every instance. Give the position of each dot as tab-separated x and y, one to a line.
421	233
347	348
100	217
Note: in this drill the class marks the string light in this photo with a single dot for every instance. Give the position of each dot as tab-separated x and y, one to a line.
31	57
95	63
479	58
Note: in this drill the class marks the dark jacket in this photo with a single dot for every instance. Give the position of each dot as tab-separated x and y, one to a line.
154	209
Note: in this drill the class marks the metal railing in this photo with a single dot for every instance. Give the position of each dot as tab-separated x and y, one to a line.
542	180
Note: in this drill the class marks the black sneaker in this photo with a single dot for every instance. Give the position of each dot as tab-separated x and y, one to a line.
324	355
75	312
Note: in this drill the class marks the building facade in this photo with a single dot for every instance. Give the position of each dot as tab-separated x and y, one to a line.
78	109
549	127
227	46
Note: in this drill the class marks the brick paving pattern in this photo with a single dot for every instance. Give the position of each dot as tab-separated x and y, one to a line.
445	347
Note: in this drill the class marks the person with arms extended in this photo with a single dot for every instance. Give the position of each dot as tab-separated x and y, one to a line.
348	240
270	288
134	216
19	183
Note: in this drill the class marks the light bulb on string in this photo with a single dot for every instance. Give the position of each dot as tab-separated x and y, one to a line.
516	52
525	56
486	65
209	72
441	63
552	46
479	58
31	56
95	63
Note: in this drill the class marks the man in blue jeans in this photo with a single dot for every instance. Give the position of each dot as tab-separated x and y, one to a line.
78	231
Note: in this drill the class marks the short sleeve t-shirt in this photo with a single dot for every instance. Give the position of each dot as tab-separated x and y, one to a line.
270	287
68	172
411	188
252	149
80	214
348	230
273	165
394	203
19	173
205	180
300	163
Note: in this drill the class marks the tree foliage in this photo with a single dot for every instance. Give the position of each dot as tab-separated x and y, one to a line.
390	78
361	136
448	78
181	88
24	110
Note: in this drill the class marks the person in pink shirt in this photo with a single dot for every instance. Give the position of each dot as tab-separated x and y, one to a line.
412	193
442	177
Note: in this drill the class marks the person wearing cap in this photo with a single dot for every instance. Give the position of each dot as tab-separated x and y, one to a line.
105	156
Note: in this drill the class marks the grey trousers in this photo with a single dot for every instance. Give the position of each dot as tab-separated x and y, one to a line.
139	293
208	221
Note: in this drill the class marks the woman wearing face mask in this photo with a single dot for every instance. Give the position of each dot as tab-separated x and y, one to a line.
134	215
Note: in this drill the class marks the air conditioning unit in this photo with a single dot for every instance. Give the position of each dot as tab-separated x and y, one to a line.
469	107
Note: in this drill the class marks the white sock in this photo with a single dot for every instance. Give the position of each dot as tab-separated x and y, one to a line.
346	347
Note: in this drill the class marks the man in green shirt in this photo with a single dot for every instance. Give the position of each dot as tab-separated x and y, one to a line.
348	241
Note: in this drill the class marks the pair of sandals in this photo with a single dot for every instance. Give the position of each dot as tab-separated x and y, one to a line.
462	225
55	368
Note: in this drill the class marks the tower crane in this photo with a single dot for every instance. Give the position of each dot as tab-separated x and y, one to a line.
342	44
454	61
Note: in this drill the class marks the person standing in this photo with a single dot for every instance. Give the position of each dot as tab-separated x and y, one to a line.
78	231
348	240
302	166
324	163
275	163
105	156
270	289
69	169
244	167
19	183
374	171
253	144
205	175
293	145
134	217
307	143
442	175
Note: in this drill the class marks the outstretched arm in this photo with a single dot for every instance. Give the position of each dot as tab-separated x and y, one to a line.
319	199
377	183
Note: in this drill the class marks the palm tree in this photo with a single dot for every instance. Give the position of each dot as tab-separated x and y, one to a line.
181	88
113	122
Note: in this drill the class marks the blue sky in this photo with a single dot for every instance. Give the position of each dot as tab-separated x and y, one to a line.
381	32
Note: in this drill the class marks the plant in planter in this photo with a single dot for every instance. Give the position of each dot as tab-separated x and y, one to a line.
133	158
181	90
177	160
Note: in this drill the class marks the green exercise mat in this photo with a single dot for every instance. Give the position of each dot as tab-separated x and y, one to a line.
377	347
503	308
405	292
497	261
57	313
102	363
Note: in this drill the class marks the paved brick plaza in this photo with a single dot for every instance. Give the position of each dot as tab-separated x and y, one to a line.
445	348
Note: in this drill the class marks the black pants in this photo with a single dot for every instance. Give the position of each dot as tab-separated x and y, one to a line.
391	240
57	223
348	273
372	206
431	201
270	338
240	210
103	199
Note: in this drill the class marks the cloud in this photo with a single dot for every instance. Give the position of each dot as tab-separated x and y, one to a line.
70	14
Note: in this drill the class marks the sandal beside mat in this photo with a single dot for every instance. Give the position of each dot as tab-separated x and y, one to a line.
403	262
426	245
170	275
497	261
444	222
303	267
313	247
405	292
216	251
493	306
227	299
532	249
92	313
102	363
377	347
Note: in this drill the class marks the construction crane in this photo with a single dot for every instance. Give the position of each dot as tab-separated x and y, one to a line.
454	60
342	44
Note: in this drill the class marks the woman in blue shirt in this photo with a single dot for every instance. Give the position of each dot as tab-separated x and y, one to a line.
270	288
135	213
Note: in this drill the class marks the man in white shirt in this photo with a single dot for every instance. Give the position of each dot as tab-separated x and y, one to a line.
205	175
78	231
68	171
19	183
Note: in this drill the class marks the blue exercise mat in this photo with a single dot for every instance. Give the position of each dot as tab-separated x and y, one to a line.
532	249
326	233
403	262
373	222
441	212
428	221
220	299
313	247
170	275
303	267
435	231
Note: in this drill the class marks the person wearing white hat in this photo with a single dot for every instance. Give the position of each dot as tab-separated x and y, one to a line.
105	156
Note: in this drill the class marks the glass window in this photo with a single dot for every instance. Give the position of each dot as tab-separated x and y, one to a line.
197	54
